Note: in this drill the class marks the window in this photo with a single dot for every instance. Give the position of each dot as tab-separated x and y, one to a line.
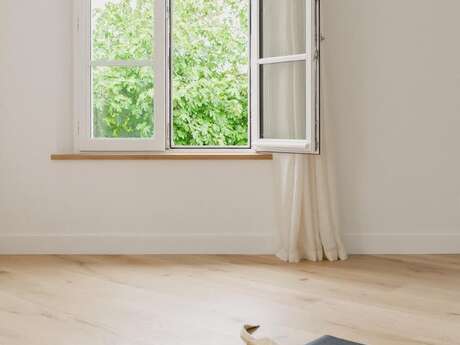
156	75
121	75
285	75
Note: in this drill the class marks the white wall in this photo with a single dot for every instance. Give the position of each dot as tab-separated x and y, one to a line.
393	99
104	206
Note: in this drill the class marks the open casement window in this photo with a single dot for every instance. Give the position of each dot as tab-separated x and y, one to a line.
285	75
120	89
150	80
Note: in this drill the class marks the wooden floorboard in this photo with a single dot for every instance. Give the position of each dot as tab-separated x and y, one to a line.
204	300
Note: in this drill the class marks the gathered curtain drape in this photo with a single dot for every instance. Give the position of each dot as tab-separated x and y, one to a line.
306	212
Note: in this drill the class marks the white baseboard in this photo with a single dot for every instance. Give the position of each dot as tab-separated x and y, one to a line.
248	244
402	243
106	244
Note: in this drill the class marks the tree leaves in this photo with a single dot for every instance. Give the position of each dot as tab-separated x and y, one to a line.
209	71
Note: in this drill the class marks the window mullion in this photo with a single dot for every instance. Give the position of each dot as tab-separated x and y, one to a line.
161	70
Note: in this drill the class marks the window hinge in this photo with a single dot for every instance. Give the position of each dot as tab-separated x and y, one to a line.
78	24
316	56
78	127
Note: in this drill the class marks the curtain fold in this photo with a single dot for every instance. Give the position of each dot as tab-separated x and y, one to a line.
307	226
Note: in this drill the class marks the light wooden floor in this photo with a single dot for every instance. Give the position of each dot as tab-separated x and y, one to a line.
204	300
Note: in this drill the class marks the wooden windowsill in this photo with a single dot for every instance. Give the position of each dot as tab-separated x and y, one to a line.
160	156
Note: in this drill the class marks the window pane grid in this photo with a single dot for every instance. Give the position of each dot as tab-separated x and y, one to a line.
282	91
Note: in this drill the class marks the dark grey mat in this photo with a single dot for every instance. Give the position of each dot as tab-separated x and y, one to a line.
328	340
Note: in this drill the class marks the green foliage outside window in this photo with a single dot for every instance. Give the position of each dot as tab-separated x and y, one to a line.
209	71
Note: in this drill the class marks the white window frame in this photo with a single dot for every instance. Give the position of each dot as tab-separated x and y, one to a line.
84	141
311	59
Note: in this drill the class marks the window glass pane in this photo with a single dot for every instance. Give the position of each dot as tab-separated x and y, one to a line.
282	27
283	100
210	83
122	29
122	102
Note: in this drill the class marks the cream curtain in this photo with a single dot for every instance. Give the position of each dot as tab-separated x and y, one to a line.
307	223
306	212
